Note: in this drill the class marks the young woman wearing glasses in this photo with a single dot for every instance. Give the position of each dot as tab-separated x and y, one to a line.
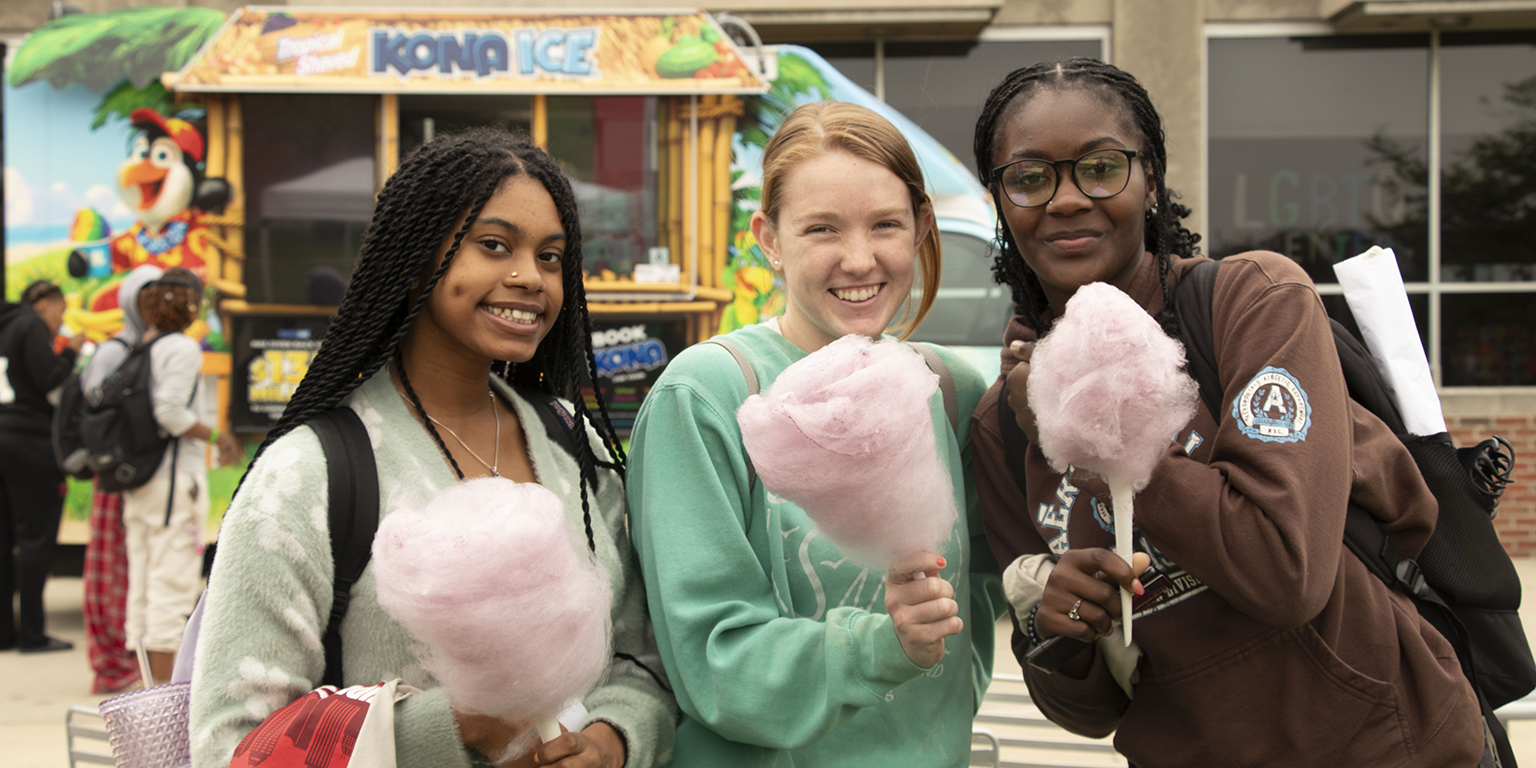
1261	641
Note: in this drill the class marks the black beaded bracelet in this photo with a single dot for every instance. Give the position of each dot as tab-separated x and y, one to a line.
1031	634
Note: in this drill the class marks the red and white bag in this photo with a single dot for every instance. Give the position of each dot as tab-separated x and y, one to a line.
328	728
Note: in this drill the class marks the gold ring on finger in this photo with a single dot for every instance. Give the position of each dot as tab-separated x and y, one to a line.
1072	614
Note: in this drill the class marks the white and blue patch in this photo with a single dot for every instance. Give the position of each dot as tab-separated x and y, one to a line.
1273	408
1194	441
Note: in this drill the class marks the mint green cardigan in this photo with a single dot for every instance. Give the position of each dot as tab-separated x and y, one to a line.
780	650
270	594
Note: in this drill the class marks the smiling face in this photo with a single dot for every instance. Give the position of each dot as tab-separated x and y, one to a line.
1074	239
846	240
504	288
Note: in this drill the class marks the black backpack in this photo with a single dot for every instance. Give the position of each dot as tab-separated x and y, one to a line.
68	447
124	444
1463	582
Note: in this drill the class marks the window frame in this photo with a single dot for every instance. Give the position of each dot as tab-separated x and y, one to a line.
1434	289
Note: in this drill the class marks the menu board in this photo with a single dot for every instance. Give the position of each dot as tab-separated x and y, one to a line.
630	358
271	356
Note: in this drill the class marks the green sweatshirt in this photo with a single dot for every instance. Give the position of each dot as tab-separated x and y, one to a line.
780	651
270	594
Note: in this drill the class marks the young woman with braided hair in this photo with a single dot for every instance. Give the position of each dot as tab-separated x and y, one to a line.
468	284
1260	640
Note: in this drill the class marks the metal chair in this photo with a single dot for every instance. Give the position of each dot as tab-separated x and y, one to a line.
84	724
1009	720
1519	709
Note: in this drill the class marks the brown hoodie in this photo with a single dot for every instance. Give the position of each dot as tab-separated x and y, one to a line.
1274	645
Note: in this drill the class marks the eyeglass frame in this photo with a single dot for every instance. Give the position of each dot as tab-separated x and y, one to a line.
997	174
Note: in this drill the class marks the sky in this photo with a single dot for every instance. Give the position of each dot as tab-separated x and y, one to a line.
55	164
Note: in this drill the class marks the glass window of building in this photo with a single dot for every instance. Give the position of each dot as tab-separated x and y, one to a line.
942	86
1319	148
309	187
1487	226
1313	141
855	60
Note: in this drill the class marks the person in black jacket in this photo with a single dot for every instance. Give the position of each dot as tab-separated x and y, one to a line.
31	483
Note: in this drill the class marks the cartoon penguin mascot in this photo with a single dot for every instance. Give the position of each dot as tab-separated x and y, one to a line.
163	184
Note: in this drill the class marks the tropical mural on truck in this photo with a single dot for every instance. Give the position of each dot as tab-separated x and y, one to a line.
106	170
141	161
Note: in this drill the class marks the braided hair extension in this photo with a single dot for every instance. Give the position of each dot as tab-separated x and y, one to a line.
1166	236
456	174
564	364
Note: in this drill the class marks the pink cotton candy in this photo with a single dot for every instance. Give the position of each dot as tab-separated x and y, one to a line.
847	434
1107	388
513	618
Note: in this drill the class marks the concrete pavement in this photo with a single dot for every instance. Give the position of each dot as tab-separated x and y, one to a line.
37	689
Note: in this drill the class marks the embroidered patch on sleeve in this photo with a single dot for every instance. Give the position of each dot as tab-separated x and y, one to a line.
1273	408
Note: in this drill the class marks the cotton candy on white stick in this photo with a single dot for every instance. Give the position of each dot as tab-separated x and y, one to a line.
1109	394
512	612
847	433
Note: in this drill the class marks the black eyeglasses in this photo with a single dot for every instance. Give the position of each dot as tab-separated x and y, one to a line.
1031	183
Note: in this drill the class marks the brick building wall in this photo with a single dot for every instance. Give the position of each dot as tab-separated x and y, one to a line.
1516	521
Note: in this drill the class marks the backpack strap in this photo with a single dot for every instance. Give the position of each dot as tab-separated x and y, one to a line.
946	384
1192	299
741	360
1015	442
352	479
560	425
170	496
751	377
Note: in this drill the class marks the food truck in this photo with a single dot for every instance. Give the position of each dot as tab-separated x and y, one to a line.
289	120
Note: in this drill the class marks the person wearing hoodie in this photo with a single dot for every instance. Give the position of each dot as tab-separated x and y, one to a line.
163	517
31	483
106	553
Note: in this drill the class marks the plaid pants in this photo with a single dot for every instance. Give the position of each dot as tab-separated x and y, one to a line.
106	595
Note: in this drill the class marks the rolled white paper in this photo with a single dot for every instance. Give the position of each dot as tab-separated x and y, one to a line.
1373	286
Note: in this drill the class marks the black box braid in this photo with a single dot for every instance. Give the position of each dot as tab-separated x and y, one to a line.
1166	236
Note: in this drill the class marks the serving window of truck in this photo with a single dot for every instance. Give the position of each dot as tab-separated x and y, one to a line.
311	110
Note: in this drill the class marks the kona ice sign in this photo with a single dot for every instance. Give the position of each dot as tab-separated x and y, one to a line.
291	50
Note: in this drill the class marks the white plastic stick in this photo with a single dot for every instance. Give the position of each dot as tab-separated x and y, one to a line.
1120	496
548	727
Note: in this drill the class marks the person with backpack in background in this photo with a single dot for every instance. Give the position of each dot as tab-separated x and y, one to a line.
163	517
464	328
31	483
112	661
1260	639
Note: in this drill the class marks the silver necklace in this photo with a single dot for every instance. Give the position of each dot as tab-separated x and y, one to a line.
495	414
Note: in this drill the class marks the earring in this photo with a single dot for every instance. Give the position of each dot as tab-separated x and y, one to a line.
1150	212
